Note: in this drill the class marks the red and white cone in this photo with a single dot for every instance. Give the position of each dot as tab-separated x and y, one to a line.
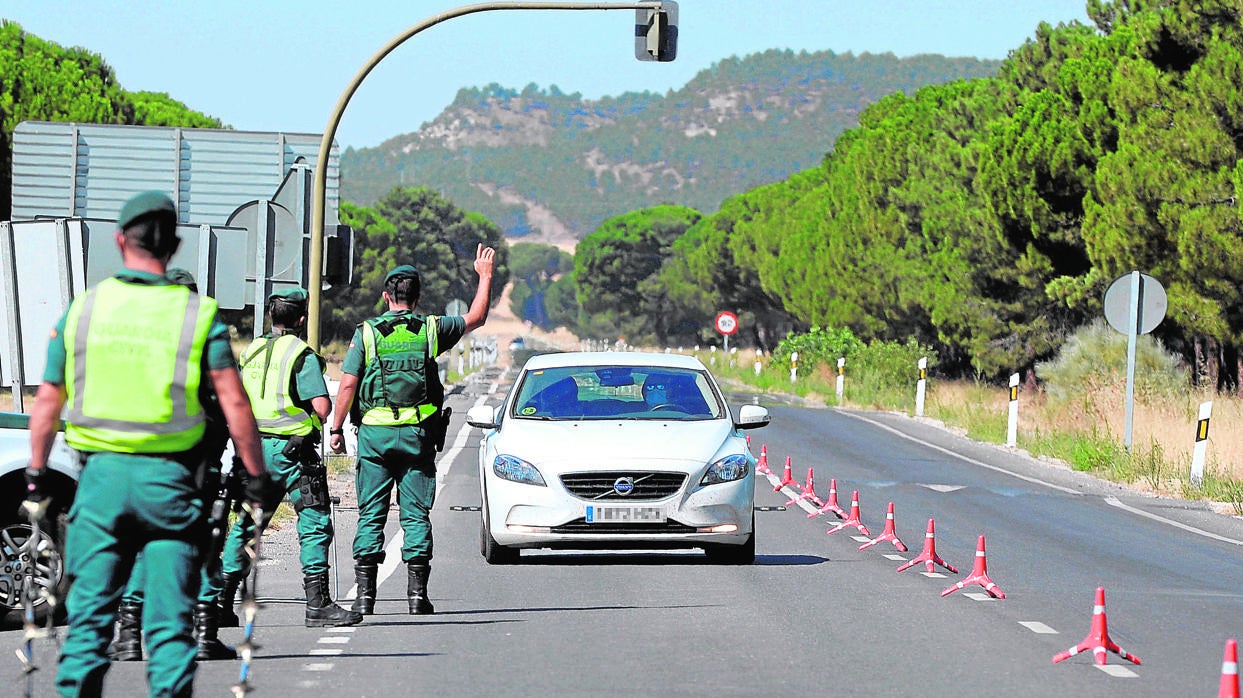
1098	637
787	478
853	519
761	465
929	555
830	505
1230	671
888	534
979	575
809	491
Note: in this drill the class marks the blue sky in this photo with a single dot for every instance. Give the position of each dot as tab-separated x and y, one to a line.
279	65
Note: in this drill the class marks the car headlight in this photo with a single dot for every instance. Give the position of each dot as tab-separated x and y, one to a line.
727	469
517	470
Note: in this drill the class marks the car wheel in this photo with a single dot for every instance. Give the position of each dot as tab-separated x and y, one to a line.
733	554
494	553
17	562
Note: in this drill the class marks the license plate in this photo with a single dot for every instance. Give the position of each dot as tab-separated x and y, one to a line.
597	514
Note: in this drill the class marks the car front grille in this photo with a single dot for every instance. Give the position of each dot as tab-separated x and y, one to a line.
581	526
600	486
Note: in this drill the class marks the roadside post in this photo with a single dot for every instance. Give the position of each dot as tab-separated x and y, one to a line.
841	378
1197	457
1135	304
793	366
759	365
921	386
1012	424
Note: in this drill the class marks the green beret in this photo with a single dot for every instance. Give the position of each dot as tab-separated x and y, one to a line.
404	270
145	204
181	277
293	294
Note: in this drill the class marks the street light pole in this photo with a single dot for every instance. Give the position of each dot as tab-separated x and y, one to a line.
315	280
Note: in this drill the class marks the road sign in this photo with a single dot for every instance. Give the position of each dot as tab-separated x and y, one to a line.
726	323
1120	299
456	306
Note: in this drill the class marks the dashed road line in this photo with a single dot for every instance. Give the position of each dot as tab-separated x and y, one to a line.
327	652
324	666
894	557
933	575
333	640
978	596
1117	671
1037	627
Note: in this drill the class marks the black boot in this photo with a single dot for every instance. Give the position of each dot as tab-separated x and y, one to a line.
226	617
416	589
209	646
365	574
321	612
127	647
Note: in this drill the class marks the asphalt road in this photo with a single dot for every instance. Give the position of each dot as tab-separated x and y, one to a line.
814	615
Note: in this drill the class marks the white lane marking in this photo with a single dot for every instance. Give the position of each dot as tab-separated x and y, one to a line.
1037	627
861	539
895	558
339	630
333	640
933	575
326	666
1114	502
327	652
978	596
960	456
1116	671
943	488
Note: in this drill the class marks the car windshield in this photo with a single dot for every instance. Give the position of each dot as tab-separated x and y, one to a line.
616	392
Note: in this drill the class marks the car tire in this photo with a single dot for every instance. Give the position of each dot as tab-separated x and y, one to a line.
744	554
494	553
13	566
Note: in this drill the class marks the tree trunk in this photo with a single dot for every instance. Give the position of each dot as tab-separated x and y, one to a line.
1197	367
1214	363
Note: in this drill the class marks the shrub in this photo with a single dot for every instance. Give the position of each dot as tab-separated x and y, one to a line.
817	347
1095	356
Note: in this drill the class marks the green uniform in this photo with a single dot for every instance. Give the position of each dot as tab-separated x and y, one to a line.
282	375
394	446
132	353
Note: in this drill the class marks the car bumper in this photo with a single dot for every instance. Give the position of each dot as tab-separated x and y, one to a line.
525	516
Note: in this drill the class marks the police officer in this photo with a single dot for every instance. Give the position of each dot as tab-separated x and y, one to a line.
128	644
128	358
390	368
285	380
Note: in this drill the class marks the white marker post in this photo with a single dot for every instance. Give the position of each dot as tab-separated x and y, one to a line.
1012	425
793	366
712	357
841	378
1197	458
921	386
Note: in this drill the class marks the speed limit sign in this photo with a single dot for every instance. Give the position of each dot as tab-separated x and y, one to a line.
726	323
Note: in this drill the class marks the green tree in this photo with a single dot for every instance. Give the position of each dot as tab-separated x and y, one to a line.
534	267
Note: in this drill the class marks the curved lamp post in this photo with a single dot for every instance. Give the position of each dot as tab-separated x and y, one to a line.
315	280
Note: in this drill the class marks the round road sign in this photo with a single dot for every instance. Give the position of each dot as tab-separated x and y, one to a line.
1120	299
726	322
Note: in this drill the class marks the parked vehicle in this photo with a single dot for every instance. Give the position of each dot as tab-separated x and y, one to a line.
17	557
616	450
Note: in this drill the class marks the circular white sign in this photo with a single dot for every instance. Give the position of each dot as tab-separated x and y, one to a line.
726	322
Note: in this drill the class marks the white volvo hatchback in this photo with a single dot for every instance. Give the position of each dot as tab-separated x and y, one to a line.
616	450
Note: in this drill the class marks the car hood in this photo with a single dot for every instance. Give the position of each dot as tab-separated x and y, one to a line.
610	443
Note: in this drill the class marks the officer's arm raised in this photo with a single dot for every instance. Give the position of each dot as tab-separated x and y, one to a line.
242	427
478	313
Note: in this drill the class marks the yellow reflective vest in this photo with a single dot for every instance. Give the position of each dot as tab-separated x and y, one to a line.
267	368
133	365
400	382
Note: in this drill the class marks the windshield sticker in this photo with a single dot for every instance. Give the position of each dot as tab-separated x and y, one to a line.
527	411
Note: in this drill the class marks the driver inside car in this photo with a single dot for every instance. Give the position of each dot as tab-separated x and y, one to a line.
656	391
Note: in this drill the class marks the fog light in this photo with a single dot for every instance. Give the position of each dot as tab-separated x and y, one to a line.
526	529
721	528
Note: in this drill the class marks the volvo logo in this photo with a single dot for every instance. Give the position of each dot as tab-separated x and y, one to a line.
623	485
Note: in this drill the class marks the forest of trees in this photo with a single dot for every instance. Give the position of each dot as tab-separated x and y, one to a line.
984	218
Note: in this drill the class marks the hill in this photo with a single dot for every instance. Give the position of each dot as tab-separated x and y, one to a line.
552	166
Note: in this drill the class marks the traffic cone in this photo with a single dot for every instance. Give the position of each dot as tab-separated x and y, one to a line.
1098	638
787	478
888	534
1230	671
830	505
929	555
979	575
809	491
761	466
853	520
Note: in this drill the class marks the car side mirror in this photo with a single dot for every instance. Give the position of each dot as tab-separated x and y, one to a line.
482	416
750	417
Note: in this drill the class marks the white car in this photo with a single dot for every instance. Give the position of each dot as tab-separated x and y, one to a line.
616	450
